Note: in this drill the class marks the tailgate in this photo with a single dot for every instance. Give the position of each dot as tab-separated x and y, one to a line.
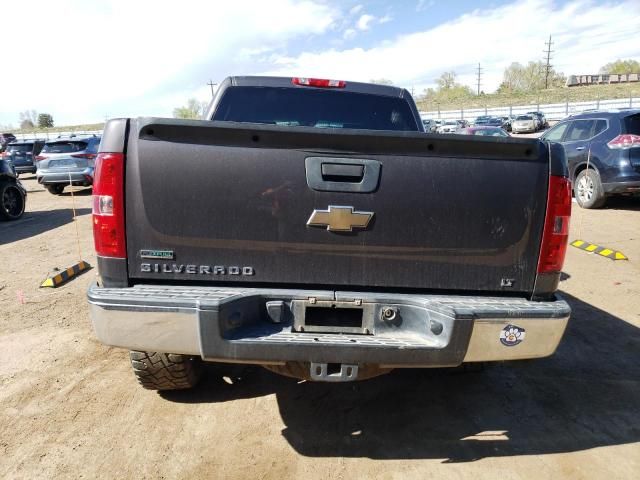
212	202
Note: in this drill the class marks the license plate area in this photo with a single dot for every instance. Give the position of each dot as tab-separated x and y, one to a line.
332	317
63	163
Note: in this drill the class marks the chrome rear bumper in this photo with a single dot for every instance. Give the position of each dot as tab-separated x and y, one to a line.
238	325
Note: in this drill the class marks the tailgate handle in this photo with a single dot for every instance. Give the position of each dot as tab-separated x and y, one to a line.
331	174
336	172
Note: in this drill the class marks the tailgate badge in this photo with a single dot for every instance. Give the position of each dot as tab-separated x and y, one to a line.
339	219
161	254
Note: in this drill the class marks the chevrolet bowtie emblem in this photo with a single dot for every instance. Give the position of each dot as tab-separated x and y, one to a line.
339	219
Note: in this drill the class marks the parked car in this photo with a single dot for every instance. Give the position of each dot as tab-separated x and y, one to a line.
450	126
185	211
5	139
22	154
13	195
438	122
430	126
506	122
524	124
485	131
495	122
481	120
463	123
67	161
542	120
602	149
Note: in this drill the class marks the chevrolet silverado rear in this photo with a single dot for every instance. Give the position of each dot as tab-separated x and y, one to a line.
312	227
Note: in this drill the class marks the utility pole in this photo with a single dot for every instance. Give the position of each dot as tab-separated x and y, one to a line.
548	52
211	84
479	72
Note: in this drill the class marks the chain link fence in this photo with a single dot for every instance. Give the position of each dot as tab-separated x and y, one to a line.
45	135
553	111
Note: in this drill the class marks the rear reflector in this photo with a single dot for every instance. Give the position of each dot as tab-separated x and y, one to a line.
625	141
318	82
108	205
556	225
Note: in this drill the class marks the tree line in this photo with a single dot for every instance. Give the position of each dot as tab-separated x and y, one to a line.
517	78
30	119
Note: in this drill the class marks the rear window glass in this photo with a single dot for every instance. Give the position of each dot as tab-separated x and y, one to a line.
64	147
22	148
310	107
632	124
601	126
524	117
580	130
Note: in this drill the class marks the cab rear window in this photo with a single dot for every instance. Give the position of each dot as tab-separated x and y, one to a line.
310	107
64	147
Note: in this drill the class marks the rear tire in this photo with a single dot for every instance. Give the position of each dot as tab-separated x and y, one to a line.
55	189
165	371
588	190
12	201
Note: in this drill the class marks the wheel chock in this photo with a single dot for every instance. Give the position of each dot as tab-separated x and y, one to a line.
61	277
598	250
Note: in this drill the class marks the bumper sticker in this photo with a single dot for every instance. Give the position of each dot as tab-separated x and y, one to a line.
512	335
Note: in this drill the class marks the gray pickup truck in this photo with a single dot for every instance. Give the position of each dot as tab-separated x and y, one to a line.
312	227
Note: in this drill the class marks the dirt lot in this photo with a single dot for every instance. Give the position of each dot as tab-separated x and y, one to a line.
70	407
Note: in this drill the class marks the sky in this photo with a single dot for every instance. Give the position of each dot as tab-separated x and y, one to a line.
86	60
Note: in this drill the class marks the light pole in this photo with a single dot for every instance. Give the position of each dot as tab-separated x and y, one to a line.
212	84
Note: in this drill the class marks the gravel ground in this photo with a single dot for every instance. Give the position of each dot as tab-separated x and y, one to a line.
70	407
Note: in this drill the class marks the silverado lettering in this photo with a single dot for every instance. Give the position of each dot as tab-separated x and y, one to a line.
195	269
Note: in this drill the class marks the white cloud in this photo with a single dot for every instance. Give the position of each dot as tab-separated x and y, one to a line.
364	21
424	4
387	18
586	36
96	58
349	33
355	10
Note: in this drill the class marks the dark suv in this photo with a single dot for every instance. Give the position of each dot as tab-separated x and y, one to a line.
67	161
5	139
22	154
13	195
603	153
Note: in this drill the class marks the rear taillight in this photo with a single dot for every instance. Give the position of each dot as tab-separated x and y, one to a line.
89	156
318	82
108	205
556	225
40	157
627	140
